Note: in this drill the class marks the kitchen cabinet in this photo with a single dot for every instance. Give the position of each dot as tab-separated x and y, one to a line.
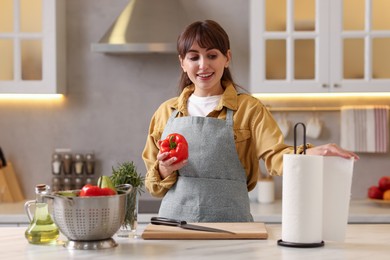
319	46
32	46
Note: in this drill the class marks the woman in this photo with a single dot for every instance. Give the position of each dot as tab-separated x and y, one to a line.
227	133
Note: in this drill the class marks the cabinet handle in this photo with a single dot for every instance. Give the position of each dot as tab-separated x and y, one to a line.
325	85
337	85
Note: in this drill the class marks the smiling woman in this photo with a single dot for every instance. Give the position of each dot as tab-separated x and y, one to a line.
226	140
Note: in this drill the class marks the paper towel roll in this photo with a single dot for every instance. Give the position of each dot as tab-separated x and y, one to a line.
302	198
337	194
316	196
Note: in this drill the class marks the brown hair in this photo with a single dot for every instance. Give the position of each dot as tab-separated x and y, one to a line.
208	34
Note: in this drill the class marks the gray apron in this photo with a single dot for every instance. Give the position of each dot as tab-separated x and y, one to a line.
212	186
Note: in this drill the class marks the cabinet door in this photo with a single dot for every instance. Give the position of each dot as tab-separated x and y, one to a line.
360	46
289	46
32	46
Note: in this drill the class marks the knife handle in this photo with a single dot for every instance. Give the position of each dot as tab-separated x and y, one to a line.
167	221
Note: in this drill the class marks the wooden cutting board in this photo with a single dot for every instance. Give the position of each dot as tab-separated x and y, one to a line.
242	230
10	184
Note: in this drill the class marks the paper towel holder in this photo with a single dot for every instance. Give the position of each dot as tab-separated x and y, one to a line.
304	137
300	245
294	244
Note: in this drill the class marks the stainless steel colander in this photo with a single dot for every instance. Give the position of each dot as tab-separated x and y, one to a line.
89	218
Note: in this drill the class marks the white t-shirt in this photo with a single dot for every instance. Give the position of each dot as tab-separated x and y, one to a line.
202	106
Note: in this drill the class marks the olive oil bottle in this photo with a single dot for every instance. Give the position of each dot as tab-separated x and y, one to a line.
42	229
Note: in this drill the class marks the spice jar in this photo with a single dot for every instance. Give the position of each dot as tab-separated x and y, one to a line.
90	164
78	164
67	163
89	180
56	183
67	183
78	183
56	164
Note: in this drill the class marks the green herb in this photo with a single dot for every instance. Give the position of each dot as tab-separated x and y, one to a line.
126	173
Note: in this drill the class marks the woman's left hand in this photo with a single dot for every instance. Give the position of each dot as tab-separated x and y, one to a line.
331	150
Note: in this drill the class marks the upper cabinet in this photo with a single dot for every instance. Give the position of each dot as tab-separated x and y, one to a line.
319	46
32	46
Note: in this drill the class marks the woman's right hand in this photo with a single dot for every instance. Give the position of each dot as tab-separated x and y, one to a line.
167	165
331	150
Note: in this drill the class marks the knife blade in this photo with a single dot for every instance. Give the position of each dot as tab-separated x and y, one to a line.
185	225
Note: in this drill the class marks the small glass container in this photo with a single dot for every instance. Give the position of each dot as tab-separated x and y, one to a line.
90	163
67	183
78	164
78	183
67	163
56	183
89	180
56	164
129	226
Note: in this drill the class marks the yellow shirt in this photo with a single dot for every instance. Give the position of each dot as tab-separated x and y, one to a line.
256	134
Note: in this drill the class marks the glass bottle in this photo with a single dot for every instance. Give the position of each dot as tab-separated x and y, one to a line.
42	229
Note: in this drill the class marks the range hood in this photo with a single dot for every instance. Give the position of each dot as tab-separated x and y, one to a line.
144	26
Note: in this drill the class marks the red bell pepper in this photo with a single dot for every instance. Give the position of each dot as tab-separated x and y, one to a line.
176	145
91	190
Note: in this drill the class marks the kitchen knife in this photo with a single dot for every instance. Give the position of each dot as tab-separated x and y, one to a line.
185	225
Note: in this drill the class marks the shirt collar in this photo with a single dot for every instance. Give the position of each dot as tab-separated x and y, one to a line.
229	98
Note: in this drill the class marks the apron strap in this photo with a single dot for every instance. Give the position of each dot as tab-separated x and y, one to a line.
173	116
229	117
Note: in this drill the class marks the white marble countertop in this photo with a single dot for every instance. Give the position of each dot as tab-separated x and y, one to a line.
361	211
363	241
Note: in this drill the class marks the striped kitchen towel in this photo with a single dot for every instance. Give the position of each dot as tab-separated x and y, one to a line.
365	128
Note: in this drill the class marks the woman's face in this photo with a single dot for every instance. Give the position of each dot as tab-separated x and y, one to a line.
205	68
